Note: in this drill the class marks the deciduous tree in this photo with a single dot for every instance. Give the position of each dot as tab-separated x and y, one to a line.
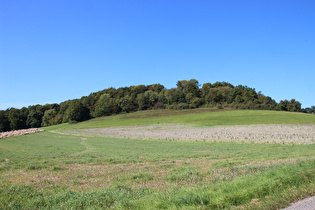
4	122
34	119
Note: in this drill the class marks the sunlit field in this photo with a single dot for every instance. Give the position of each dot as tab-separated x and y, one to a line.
68	167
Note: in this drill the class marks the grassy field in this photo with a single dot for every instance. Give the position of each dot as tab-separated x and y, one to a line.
198	117
55	170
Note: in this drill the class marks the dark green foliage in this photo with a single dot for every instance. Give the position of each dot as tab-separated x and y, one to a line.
89	101
162	97
310	110
238	99
24	112
34	119
49	117
105	106
205	89
135	90
186	95
36	113
15	119
191	86
250	95
126	103
292	105
156	88
4	121
76	112
196	102
152	97
213	97
142	102
234	93
147	100
64	106
222	84
174	96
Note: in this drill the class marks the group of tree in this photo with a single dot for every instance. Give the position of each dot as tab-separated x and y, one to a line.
187	95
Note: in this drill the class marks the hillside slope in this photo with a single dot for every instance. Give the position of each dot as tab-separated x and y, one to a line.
199	117
51	170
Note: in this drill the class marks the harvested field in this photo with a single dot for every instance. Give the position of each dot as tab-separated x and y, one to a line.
266	133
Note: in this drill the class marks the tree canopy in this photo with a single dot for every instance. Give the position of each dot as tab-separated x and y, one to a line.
188	94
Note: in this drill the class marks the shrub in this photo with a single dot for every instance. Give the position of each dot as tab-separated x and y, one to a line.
159	105
219	106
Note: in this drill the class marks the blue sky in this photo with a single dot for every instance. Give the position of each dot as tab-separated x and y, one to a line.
55	50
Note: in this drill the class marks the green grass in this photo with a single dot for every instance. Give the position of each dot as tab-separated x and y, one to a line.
199	117
43	148
240	191
48	170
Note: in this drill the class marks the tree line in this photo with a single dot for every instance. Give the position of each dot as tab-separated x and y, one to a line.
188	94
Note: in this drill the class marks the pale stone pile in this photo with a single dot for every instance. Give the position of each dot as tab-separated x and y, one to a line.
19	132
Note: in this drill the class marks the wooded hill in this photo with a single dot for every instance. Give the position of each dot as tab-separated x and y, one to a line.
187	95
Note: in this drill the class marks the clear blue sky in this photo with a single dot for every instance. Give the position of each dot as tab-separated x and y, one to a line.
55	50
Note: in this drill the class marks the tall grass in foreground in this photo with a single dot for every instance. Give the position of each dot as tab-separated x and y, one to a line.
239	192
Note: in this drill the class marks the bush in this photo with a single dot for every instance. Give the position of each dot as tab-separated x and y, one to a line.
196	102
159	105
219	106
183	106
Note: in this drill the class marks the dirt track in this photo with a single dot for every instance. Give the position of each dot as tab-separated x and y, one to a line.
280	133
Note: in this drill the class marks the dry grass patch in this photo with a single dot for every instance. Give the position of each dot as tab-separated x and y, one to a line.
160	175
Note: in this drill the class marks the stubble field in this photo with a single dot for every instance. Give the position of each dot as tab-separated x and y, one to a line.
269	133
179	163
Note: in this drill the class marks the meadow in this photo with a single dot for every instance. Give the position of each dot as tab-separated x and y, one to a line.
58	169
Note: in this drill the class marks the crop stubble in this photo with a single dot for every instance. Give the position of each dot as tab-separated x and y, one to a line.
266	133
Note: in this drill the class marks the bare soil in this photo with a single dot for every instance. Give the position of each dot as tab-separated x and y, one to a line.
19	132
266	133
